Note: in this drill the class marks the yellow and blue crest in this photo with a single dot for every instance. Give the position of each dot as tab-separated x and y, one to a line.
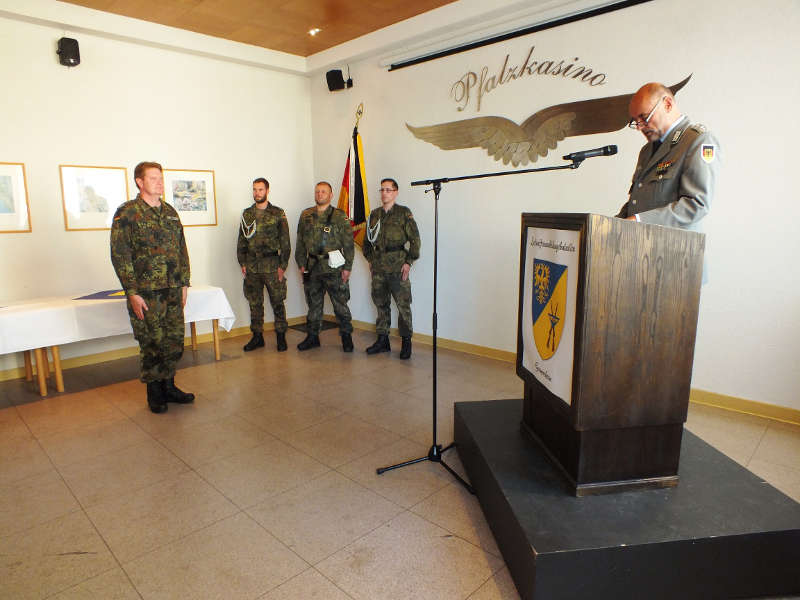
549	292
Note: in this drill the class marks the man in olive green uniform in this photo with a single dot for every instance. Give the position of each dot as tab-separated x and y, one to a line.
263	252
391	245
148	251
325	238
675	176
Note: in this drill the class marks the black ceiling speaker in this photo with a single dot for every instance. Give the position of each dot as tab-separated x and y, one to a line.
336	80
68	53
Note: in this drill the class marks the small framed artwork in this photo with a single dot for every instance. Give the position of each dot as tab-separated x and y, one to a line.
193	194
15	211
91	195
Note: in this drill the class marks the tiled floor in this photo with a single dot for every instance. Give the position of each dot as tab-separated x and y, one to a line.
266	486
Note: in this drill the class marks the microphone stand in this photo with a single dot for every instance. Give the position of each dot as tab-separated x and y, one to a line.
435	452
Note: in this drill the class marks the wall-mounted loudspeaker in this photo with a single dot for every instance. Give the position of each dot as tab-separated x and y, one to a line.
68	53
336	80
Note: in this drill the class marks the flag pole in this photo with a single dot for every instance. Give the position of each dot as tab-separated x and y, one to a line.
353	197
359	114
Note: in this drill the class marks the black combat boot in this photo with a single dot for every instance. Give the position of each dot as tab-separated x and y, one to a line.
405	351
155	397
380	345
347	342
257	341
311	341
173	394
281	337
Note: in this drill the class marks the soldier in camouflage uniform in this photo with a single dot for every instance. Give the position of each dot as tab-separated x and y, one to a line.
323	232
148	251
263	252
390	227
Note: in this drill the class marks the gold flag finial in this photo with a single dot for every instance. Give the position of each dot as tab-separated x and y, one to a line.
359	113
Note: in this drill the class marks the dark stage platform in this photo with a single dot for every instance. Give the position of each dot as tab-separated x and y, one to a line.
721	533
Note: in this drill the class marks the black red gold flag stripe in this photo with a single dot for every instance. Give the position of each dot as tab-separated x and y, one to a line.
353	197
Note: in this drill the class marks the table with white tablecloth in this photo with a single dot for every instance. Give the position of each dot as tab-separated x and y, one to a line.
43	323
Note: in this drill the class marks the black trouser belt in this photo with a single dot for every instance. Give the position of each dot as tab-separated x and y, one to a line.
394	248
320	256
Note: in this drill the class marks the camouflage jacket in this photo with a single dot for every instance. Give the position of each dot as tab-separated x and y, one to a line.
269	247
318	234
387	252
148	249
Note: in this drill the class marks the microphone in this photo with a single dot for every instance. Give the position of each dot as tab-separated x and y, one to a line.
584	154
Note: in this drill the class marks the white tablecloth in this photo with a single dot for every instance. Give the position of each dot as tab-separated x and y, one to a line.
55	321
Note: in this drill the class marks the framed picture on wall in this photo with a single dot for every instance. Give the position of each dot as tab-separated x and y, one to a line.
91	195
193	194
15	211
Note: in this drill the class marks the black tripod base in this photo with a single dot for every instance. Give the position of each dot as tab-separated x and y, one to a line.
434	455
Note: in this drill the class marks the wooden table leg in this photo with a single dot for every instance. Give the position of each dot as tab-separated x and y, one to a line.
215	329
40	372
46	363
193	327
57	368
28	366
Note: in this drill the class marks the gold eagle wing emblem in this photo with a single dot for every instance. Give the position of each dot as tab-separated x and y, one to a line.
519	145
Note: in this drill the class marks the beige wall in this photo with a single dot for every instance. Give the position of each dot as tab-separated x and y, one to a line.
741	57
243	121
128	102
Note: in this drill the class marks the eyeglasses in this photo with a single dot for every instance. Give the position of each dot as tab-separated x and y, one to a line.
387	190
637	122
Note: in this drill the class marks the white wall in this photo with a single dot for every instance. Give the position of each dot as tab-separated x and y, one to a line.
741	56
128	102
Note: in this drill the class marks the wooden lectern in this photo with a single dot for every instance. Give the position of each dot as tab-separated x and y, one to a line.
605	343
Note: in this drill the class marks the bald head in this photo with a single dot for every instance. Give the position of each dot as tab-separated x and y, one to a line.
656	101
650	93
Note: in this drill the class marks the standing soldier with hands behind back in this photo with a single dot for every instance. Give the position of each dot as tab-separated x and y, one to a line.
389	228
263	252
148	251
324	255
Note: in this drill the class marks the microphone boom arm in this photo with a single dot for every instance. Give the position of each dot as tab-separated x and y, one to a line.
575	164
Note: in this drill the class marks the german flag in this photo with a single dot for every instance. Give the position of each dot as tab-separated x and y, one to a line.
353	196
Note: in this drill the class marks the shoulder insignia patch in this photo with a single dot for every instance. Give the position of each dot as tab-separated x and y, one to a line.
708	152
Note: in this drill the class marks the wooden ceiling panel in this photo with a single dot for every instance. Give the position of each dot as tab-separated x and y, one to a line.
168	12
215	25
285	23
244	11
104	5
267	36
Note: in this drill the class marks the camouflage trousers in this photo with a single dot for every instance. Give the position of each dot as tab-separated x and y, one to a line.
386	286
253	286
160	334
338	292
